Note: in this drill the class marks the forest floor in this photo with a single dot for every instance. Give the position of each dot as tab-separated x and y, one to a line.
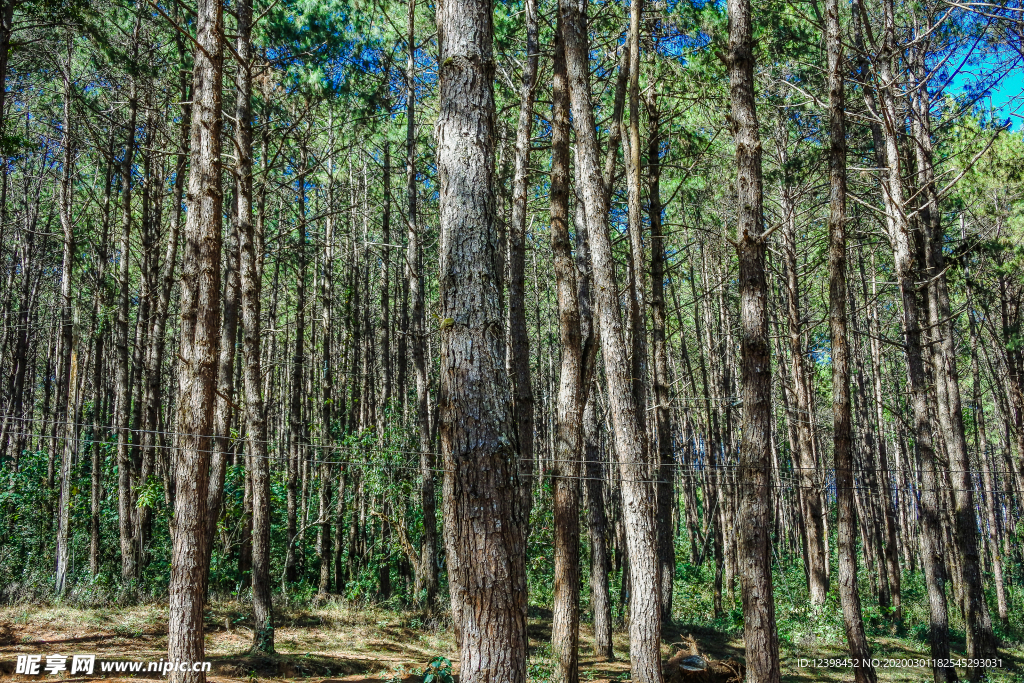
335	644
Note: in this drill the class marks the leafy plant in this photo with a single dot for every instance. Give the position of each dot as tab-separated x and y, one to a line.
439	670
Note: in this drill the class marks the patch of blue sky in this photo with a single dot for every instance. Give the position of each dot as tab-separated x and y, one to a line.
991	76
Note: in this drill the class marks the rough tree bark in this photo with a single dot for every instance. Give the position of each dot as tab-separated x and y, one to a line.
198	348
755	478
946	379
662	409
849	595
907	272
637	486
250	273
481	488
573	387
597	517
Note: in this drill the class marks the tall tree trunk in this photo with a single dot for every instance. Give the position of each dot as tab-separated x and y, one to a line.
808	493
597	522
637	489
849	595
198	349
122	381
385	290
662	414
99	365
70	377
482	521
857	15
225	391
631	149
946	378
328	435
250	273
426	577
754	542
888	507
907	273
518	356
573	387
296	427
981	448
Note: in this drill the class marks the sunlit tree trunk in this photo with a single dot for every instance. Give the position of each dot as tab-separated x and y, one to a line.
70	376
754	474
198	349
637	488
573	388
907	273
849	595
481	487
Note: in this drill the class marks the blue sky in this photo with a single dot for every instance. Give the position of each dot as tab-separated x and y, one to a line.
1006	97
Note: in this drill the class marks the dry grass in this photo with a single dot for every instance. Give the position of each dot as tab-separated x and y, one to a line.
338	641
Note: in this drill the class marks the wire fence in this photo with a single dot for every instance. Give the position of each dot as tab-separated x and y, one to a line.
701	468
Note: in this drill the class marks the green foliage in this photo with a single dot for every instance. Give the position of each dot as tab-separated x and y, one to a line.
438	670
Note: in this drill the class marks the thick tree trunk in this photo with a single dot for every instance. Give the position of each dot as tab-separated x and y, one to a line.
907	273
482	520
637	487
849	595
198	349
754	542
